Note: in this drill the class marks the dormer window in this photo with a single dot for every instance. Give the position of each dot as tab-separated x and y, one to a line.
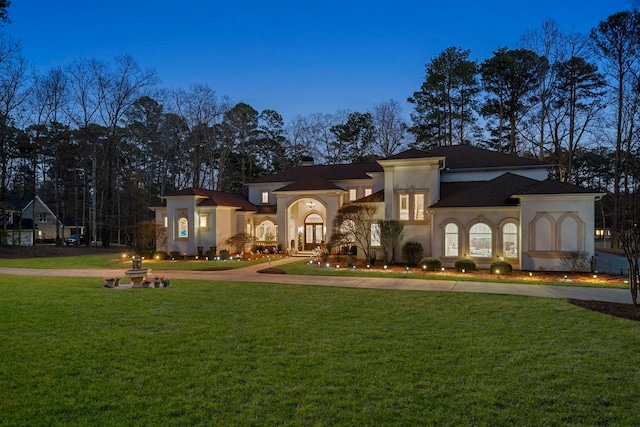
265	197
352	194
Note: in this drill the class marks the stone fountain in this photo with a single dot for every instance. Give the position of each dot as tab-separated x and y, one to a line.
137	273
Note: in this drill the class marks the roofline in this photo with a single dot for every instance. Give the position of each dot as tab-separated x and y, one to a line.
497	168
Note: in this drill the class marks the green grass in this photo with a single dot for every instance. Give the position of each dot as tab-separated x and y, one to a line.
303	268
253	354
117	261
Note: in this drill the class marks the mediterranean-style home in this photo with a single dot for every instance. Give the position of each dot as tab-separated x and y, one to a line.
457	201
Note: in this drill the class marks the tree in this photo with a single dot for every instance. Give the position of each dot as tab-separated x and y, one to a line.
577	101
240	241
353	226
630	242
390	236
355	138
444	106
389	127
617	41
510	79
4	15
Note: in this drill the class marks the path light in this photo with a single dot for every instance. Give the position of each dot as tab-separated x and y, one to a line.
443	269
338	266
157	256
464	270
206	258
424	268
530	274
368	266
354	267
406	268
595	276
196	256
328	265
385	266
498	272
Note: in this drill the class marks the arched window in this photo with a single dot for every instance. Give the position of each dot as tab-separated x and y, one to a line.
480	240
266	231
510	240
183	227
451	240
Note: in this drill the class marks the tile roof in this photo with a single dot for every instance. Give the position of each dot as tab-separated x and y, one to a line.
309	184
500	191
469	157
215	198
326	172
378	196
496	192
550	186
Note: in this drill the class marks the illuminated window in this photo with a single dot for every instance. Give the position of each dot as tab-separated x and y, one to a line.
165	221
404	207
183	227
352	194
375	235
367	192
480	240
265	197
451	240
418	206
510	240
203	221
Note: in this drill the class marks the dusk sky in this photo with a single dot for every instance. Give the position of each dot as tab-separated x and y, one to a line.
292	57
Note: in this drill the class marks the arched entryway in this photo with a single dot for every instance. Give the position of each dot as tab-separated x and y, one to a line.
313	231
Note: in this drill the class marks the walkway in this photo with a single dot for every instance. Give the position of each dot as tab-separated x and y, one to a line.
250	274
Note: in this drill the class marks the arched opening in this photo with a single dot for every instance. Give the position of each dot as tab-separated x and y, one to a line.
313	231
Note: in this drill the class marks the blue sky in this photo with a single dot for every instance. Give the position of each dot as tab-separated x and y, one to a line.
293	57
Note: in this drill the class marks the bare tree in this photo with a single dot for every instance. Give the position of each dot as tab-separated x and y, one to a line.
390	127
353	225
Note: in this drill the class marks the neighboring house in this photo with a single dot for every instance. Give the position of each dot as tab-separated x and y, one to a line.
39	214
457	201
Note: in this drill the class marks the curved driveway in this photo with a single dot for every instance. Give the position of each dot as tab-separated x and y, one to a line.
250	274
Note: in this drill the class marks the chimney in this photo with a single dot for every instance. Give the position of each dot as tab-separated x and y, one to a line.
307	161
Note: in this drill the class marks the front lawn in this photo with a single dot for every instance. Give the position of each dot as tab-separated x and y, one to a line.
255	354
123	261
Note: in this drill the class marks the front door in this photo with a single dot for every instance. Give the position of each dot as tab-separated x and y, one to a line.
313	231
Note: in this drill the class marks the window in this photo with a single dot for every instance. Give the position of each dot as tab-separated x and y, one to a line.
183	227
165	221
451	240
367	192
265	197
352	194
510	240
375	235
203	221
418	206
266	231
404	207
42	217
480	240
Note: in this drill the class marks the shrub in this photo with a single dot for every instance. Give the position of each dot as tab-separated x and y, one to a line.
224	254
161	255
412	252
351	261
175	254
430	263
500	267
146	254
466	265
211	254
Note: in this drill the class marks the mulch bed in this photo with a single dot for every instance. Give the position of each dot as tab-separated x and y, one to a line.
271	270
616	309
